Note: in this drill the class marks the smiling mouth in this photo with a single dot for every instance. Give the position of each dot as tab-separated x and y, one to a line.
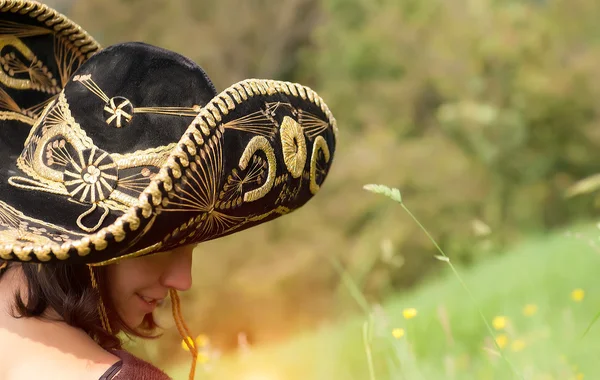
152	301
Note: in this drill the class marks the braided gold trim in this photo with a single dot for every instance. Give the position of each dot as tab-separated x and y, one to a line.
152	196
60	24
145	251
10	115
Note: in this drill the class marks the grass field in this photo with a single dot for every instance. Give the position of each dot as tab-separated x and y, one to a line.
529	296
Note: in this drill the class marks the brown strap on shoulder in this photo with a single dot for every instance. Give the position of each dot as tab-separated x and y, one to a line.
112	371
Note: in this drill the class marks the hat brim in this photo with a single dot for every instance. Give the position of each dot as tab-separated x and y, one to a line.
193	196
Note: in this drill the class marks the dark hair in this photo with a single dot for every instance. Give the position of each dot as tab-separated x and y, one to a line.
67	289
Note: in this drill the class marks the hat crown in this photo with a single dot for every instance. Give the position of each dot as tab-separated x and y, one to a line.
112	127
134	96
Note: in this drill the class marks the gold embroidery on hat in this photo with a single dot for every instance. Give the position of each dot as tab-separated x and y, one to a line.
26	114
259	143
6	115
138	181
16	228
311	124
21	69
89	83
23	236
201	178
7	102
88	212
93	178
120	110
172	111
38	75
232	194
67	59
198	192
320	154
293	145
151	196
11	28
288	192
29	184
57	24
142	252
60	158
188	232
150	157
260	122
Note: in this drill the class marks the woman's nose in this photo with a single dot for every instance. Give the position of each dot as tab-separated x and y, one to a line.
178	273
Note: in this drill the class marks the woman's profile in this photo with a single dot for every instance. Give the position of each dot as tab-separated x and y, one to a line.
115	162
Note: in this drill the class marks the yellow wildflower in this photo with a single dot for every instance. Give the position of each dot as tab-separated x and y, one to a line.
202	340
517	345
499	322
529	310
184	345
398	332
579	376
202	358
409	313
501	340
577	295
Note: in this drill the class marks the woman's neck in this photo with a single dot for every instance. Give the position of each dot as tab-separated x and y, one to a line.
48	337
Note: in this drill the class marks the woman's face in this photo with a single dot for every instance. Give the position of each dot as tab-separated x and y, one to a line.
136	286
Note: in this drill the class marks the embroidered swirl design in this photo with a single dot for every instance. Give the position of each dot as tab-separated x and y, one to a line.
118	112
293	145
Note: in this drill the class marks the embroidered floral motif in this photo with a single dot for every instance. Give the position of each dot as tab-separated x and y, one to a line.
118	112
93	178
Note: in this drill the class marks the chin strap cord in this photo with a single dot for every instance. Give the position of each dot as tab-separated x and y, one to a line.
101	308
184	331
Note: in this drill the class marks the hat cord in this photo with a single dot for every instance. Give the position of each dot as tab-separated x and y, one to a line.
101	309
184	331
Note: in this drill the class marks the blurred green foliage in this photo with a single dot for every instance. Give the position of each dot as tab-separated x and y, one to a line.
483	113
527	296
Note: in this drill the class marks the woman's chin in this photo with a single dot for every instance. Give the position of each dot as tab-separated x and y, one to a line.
133	320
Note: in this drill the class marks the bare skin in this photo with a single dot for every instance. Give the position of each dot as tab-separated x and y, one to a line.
33	348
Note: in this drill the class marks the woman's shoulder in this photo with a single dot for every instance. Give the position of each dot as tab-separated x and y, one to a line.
134	368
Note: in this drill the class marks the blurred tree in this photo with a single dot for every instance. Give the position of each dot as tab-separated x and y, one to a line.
510	84
231	40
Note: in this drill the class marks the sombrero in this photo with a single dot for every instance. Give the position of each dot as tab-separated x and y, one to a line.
129	150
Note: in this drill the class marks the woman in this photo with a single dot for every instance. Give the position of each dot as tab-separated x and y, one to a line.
53	316
114	163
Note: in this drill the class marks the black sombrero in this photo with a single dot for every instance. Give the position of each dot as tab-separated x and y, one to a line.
129	150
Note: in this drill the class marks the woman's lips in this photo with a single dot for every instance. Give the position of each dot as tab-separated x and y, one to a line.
150	303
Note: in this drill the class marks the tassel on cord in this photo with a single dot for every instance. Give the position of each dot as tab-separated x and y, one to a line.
184	331
101	308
